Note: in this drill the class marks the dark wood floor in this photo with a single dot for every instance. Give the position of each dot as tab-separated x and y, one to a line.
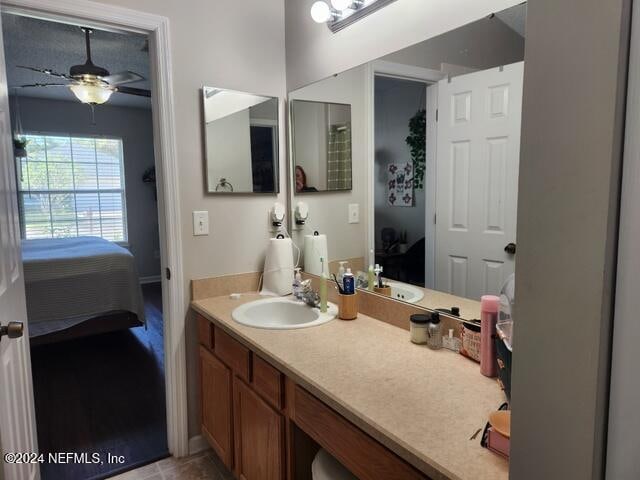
103	394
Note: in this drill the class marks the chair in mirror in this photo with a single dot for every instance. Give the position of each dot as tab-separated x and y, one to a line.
241	142
434	148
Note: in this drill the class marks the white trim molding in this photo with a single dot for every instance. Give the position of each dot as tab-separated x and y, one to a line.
407	72
114	18
622	461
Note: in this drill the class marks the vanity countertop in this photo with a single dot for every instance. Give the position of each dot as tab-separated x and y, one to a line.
422	404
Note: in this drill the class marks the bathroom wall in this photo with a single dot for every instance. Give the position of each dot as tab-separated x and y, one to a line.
313	52
568	195
234	45
396	101
328	211
135	127
229	151
310	148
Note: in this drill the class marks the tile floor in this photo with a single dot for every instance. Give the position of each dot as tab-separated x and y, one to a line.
202	466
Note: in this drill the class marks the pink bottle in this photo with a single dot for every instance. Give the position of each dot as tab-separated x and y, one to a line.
489	306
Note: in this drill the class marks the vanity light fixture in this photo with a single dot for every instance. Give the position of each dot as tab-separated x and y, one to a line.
342	13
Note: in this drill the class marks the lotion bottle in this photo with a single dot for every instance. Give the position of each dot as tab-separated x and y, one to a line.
489	306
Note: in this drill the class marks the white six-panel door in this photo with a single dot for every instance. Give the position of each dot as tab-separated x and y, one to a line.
478	155
17	419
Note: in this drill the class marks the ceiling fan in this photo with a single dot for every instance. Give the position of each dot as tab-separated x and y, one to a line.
90	83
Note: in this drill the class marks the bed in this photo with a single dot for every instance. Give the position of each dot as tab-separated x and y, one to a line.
79	286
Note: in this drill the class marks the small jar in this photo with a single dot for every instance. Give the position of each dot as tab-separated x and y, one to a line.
434	332
418	326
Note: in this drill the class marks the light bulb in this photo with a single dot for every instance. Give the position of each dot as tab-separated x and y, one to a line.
320	12
341	4
91	94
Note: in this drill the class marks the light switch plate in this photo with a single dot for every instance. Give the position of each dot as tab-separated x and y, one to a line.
200	223
354	213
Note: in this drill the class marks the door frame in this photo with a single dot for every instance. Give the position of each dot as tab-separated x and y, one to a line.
120	19
624	389
431	78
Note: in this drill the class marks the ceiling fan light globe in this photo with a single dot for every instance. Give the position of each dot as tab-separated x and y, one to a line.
321	12
91	94
341	5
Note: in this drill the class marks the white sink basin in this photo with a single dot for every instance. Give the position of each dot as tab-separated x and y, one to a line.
280	313
405	292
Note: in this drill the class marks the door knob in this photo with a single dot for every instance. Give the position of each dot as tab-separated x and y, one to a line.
12	330
510	248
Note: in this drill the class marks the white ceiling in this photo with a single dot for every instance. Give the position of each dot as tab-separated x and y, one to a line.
58	46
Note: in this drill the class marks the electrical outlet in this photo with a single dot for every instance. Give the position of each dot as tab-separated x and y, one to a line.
354	213
200	223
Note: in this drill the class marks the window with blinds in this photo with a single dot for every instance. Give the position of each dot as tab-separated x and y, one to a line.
72	186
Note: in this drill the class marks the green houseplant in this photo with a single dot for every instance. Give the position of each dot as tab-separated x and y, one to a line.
417	144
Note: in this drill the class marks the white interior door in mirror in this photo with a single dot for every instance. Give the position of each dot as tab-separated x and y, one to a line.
478	156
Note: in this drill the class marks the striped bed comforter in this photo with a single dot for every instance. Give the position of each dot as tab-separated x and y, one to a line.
69	280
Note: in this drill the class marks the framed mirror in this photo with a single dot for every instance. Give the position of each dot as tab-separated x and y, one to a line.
435	157
241	141
321	146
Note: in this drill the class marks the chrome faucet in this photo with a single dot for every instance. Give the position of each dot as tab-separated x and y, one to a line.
308	295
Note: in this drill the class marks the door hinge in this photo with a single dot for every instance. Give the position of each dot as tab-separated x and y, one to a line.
167	273
436	114
435	216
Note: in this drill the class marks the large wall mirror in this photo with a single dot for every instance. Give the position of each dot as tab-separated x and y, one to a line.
241	141
435	152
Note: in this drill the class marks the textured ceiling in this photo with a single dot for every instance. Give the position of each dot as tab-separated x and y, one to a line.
58	46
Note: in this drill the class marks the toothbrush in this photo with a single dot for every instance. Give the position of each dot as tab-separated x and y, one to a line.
340	290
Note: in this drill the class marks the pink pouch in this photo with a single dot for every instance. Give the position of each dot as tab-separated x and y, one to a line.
498	443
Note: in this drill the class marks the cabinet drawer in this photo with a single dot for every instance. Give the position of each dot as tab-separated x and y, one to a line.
268	381
205	332
364	456
216	401
233	353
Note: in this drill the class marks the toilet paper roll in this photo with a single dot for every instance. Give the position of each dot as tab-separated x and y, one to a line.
315	248
278	267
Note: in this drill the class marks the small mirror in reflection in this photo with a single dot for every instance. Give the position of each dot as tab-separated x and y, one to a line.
241	138
321	146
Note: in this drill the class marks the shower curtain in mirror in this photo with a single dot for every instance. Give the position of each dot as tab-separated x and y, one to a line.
339	157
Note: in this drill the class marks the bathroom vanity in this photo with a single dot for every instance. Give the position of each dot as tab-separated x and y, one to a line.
385	408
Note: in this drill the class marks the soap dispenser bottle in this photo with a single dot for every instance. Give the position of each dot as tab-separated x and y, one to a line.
297	283
323	288
371	277
341	271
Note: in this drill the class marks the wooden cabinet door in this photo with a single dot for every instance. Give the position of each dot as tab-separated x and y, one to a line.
215	381
259	436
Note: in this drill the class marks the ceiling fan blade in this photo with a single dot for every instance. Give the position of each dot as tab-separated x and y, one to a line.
122	77
31	85
134	91
45	71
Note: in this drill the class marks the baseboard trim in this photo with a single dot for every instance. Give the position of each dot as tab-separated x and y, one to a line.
197	444
150	279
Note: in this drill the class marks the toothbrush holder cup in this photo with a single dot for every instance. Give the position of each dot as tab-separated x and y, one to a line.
348	306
